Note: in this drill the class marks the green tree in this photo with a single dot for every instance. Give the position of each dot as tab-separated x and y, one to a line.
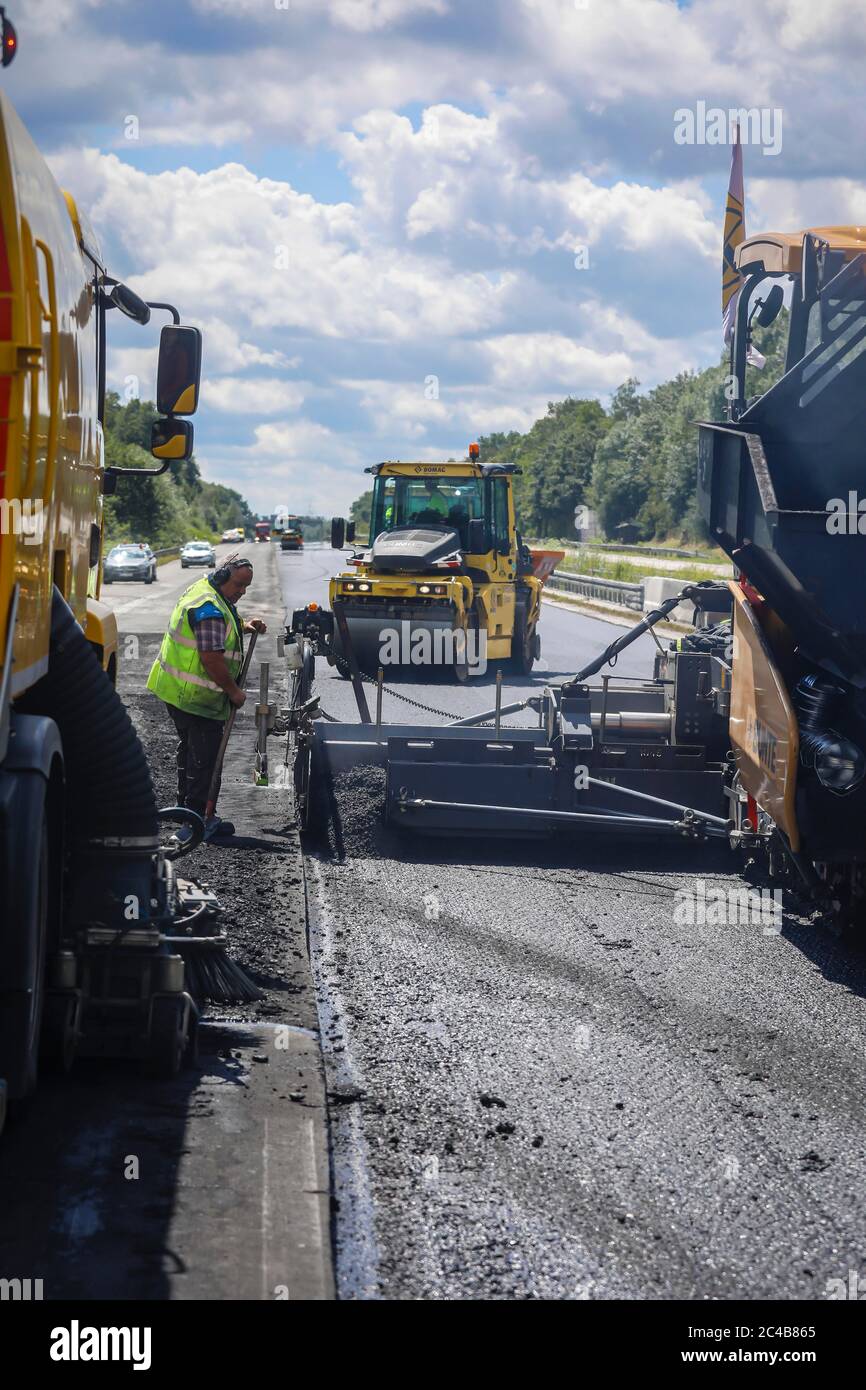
360	512
176	506
555	458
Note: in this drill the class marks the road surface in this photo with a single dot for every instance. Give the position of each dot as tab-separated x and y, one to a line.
544	1078
568	640
215	1185
556	1086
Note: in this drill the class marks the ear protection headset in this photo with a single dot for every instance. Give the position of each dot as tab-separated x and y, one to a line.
228	568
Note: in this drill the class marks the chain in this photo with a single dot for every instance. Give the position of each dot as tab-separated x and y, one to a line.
396	694
343	666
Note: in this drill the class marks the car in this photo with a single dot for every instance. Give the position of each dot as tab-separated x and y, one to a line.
235	534
132	560
197	553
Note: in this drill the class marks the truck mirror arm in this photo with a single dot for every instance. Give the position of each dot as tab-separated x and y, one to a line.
109	480
169	308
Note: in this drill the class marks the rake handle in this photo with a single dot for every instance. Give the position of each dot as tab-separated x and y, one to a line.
213	789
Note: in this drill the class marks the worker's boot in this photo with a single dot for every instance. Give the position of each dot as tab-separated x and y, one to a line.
216	829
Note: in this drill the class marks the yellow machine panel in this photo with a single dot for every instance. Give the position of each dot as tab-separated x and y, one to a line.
764	729
50	485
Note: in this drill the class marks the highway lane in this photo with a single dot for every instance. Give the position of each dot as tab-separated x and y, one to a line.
568	640
147	607
559	1081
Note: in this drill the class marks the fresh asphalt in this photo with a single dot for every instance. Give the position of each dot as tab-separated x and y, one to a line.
552	1084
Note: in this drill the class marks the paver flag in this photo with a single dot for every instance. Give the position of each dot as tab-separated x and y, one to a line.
735	232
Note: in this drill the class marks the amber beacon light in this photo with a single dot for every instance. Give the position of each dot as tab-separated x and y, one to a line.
10	38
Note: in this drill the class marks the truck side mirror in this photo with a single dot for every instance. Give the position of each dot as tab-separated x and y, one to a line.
769	310
476	534
129	303
350	531
178	374
171	439
338	533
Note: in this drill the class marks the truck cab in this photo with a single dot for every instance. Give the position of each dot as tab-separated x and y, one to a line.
64	809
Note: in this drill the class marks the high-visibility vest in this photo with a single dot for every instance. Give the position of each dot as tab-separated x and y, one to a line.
178	675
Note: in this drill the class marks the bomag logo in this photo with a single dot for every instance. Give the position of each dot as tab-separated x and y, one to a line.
429	468
762	743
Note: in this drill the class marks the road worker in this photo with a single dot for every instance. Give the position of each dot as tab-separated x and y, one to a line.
195	674
432	507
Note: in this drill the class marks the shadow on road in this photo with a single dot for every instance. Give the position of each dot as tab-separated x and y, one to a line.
93	1166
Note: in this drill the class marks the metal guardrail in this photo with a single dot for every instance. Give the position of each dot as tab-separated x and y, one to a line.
591	586
169	550
653	550
624	548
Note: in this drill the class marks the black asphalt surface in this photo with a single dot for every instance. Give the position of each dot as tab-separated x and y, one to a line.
548	1084
568	639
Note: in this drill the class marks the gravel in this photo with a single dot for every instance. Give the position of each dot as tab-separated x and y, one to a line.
258	880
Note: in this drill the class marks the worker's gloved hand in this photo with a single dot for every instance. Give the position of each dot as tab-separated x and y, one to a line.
256	625
237	696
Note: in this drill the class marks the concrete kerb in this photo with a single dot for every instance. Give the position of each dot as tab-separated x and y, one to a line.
299	1181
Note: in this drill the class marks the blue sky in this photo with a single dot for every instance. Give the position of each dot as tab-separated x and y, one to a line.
373	207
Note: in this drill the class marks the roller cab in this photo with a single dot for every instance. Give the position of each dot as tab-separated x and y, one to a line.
445	580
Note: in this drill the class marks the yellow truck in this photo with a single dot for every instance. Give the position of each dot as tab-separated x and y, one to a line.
78	819
446	580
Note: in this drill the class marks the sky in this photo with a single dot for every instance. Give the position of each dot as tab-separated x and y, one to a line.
404	223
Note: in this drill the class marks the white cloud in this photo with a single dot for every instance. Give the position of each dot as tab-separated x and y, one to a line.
300	462
399	406
789	204
540	129
458	178
367	15
251	395
362	16
525	362
280	259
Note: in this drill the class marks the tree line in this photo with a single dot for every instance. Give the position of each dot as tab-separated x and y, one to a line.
634	461
168	510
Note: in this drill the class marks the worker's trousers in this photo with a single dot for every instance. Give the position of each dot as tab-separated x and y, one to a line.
197	749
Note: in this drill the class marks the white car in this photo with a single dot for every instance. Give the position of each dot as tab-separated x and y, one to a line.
197	553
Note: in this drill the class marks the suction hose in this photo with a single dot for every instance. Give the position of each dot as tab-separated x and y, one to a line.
109	792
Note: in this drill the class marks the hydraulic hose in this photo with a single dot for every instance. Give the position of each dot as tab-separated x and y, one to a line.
109	789
696	592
